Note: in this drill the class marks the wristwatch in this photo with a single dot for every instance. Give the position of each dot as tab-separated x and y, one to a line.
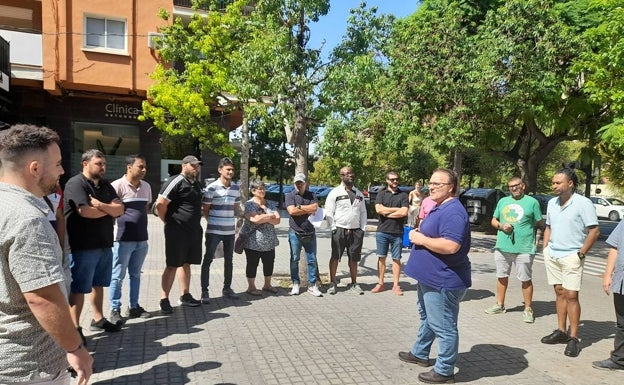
581	255
299	207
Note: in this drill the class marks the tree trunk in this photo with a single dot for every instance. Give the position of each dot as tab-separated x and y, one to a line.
457	167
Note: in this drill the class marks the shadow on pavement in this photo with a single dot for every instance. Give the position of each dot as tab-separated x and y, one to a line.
163	374
477	294
490	360
139	341
591	332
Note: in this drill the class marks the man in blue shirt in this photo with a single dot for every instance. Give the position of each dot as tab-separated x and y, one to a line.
571	230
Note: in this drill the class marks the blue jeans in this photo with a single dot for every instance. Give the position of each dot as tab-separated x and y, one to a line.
127	255
438	311
391	242
295	252
212	241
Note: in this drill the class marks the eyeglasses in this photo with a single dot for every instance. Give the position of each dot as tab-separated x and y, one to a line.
515	186
393	179
438	184
347	173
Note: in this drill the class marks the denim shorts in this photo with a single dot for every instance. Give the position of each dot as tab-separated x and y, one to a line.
90	268
393	243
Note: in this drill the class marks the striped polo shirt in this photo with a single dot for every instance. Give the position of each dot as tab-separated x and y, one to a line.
132	225
221	218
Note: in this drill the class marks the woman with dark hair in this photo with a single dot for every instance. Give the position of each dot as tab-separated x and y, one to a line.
439	262
260	222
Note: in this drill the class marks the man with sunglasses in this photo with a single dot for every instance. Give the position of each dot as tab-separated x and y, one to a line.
516	217
392	206
345	212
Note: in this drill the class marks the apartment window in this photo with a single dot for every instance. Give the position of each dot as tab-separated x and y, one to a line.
105	33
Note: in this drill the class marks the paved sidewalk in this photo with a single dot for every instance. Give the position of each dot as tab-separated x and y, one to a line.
345	338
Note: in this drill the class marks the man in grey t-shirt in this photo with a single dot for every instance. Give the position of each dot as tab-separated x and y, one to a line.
39	340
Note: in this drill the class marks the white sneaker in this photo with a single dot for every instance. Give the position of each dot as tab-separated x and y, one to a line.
315	291
295	289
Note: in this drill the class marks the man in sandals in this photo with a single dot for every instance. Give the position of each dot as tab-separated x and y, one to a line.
392	206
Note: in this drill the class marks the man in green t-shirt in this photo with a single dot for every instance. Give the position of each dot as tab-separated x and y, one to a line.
516	218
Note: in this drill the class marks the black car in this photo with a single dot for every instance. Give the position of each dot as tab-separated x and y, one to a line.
480	203
543	201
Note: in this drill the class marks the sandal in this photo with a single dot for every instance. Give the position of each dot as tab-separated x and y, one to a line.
255	292
378	288
270	289
397	290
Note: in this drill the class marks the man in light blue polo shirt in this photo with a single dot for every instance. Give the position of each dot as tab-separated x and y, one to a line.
571	230
219	207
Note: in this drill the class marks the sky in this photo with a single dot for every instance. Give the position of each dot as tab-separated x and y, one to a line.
332	26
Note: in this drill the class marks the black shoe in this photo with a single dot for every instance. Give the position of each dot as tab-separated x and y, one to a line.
115	317
431	377
412	359
188	300
165	306
572	348
104	326
607	364
556	337
137	312
228	292
84	339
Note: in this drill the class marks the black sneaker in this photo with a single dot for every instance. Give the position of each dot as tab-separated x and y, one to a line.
412	359
115	317
104	325
572	348
556	337
165	306
137	312
432	377
188	300
607	364
229	293
84	339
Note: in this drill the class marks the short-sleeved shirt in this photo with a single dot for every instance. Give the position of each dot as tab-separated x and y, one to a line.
615	240
449	271
132	225
30	259
425	207
388	198
185	202
522	214
300	223
221	217
87	233
263	236
568	224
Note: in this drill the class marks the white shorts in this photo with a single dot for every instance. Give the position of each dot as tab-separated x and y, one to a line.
566	271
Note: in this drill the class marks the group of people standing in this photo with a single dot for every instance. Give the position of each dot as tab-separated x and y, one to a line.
106	227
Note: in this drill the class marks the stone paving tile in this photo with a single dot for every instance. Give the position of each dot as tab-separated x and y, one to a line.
344	339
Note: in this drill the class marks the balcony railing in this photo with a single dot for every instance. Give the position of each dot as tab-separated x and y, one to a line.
189	4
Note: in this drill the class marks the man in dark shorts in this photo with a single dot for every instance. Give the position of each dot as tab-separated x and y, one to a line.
91	206
179	205
345	212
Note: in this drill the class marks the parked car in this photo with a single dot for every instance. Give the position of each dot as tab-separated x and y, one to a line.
612	208
543	201
480	203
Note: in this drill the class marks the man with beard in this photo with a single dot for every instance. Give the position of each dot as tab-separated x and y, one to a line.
516	217
38	340
91	206
345	212
130	248
179	206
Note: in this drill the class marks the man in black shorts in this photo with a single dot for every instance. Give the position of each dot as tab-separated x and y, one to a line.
345	212
179	205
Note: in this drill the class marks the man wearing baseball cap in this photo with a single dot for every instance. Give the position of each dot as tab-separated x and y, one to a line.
179	205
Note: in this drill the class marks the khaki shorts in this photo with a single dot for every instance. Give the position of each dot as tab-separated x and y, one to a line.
566	271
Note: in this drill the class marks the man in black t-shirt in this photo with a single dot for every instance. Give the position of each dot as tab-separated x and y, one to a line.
90	206
179	206
392	206
300	203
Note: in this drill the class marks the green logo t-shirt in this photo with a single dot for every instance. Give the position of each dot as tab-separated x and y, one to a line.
522	214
